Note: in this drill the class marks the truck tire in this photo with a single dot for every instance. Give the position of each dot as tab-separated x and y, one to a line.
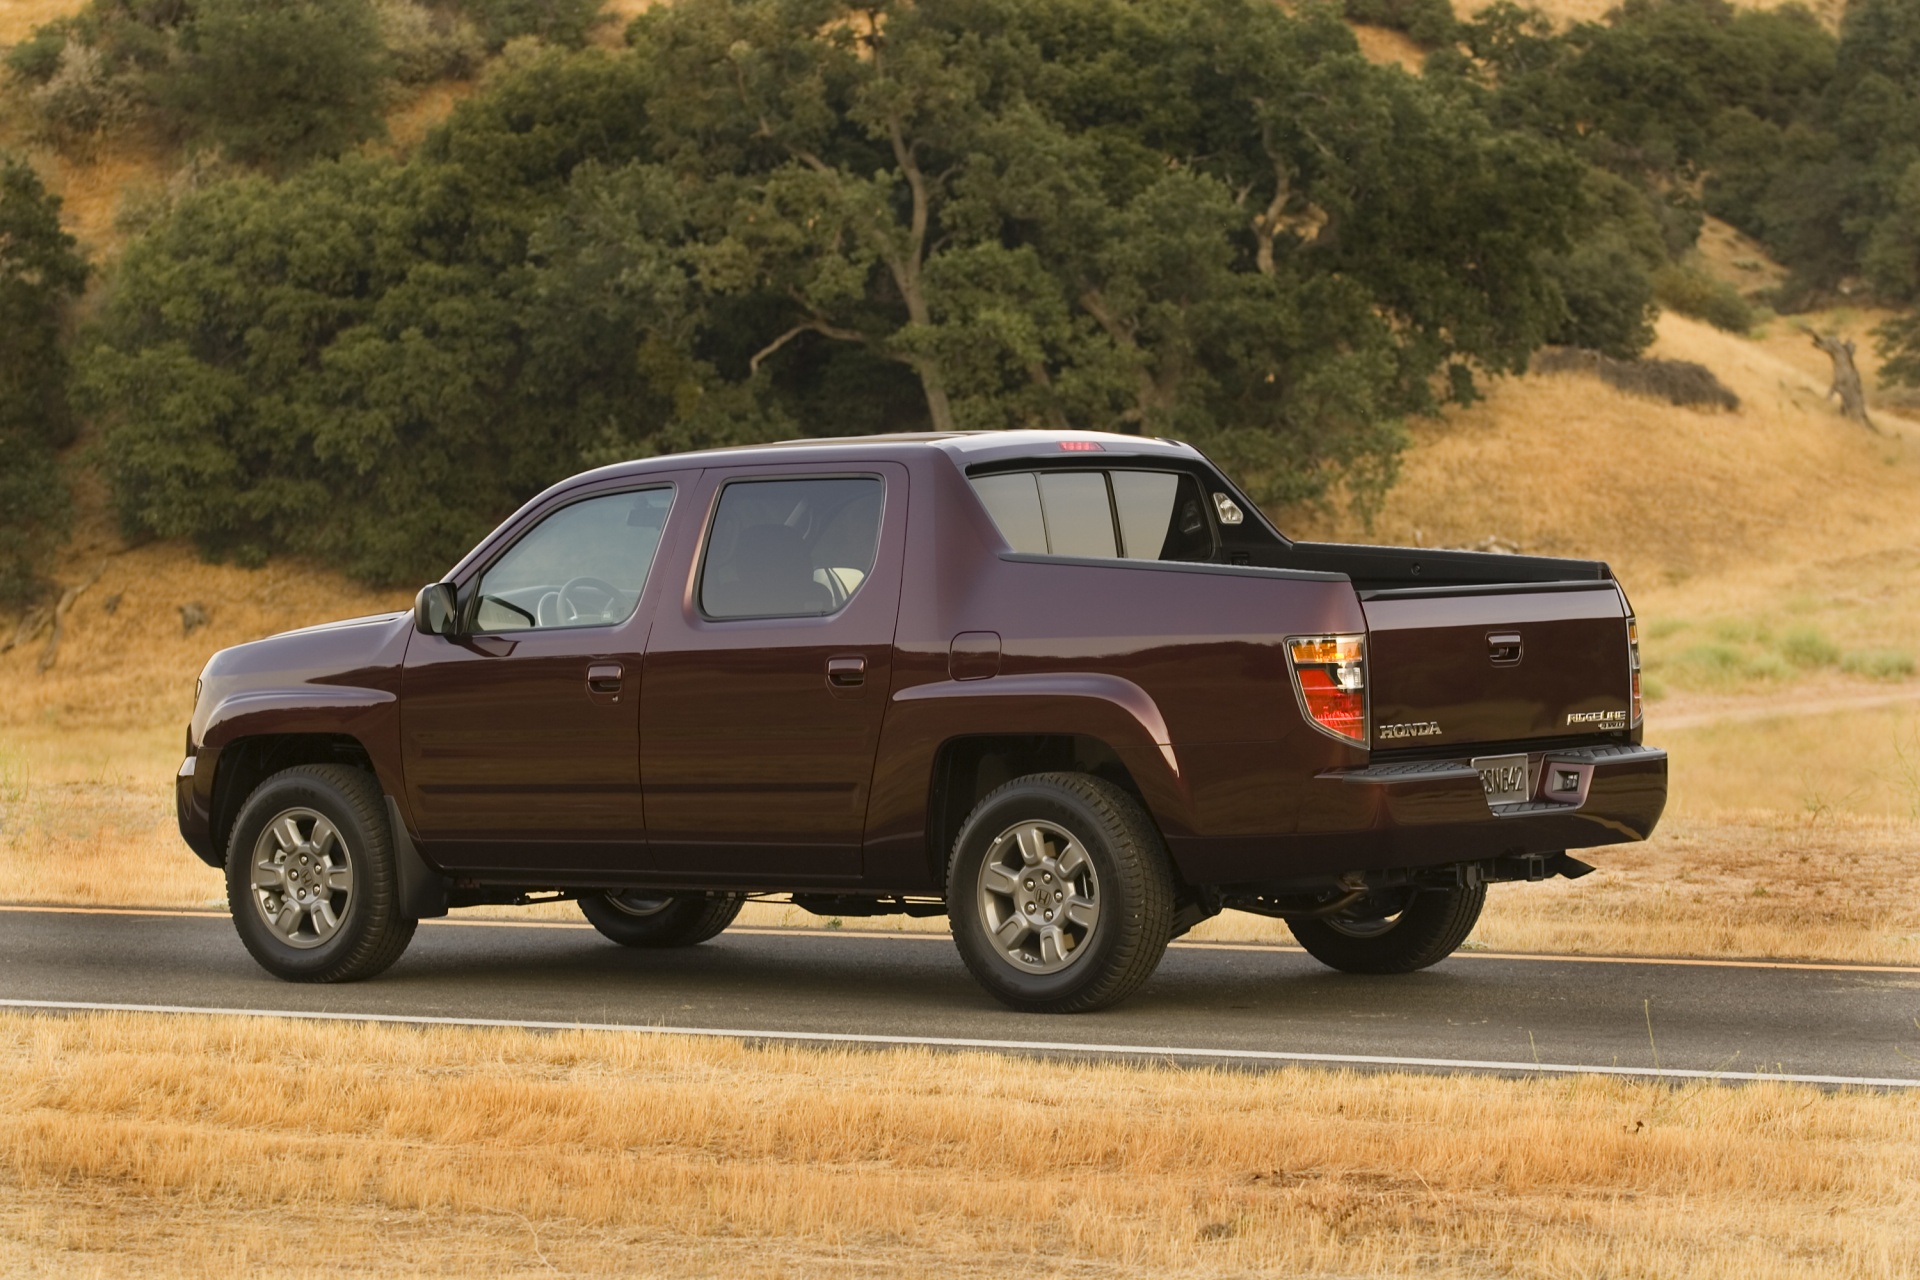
311	882
1429	929
637	919
1089	847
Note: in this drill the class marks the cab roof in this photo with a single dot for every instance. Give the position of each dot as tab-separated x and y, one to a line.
966	448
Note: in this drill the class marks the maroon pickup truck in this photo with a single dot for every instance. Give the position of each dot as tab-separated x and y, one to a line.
1069	689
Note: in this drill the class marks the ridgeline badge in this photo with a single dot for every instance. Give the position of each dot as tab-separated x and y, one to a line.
1419	729
1598	719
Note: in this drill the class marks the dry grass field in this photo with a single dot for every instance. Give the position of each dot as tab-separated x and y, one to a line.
213	1147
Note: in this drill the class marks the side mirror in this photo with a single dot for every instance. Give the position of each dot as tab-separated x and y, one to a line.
436	610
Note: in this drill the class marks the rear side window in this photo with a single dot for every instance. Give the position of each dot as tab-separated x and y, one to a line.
790	548
1138	515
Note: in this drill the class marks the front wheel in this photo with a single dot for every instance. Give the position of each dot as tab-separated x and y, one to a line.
311	880
636	918
1426	930
1060	894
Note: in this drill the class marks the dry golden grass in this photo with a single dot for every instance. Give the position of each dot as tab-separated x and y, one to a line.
18	18
88	747
1670	496
1388	47
196	1146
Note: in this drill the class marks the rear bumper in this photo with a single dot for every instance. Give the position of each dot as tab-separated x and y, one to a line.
1428	813
1620	793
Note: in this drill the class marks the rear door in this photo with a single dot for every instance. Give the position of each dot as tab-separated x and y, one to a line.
1466	665
768	676
521	741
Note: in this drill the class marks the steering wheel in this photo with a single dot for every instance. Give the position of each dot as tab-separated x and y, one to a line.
571	609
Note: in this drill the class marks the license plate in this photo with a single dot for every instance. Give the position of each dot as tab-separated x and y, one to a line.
1505	778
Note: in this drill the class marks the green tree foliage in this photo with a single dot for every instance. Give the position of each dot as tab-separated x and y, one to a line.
277	82
1428	22
1834	189
39	273
561	22
775	217
359	362
1809	142
1607	277
1642	92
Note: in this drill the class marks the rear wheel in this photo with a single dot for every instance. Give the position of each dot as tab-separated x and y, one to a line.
1060	894
311	880
639	918
1426	930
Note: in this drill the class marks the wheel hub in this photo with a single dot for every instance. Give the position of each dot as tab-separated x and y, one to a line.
302	877
1039	897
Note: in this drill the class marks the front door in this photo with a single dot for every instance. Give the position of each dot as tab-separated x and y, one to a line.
767	683
521	740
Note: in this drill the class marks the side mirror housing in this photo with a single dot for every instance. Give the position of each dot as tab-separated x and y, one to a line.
436	610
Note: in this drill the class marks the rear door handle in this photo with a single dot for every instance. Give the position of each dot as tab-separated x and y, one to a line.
603	677
1503	647
846	672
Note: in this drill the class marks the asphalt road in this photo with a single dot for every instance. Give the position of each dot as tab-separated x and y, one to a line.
1250	1004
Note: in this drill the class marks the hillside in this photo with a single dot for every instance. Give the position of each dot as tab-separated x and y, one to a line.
1561	465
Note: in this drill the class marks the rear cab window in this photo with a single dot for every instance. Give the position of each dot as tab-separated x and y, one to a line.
1125	513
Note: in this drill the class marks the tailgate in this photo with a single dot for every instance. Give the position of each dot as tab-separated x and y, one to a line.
1464	665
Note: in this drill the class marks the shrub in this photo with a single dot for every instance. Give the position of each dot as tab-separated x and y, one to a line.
426	44
562	22
82	98
1880	664
37	58
1681	382
1806	647
1428	22
1693	292
276	82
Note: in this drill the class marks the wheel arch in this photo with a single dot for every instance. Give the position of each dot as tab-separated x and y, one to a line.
969	767
245	763
937	736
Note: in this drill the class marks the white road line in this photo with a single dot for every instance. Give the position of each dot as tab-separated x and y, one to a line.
786	931
957	1042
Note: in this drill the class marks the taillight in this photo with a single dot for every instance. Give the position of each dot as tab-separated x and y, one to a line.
1633	665
1330	675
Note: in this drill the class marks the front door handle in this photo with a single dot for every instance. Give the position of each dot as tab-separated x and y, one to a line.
603	678
845	673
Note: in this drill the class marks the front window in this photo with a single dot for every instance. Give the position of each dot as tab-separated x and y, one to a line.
1137	515
790	548
583	566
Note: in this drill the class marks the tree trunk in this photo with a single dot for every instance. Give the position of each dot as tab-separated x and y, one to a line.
1846	378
